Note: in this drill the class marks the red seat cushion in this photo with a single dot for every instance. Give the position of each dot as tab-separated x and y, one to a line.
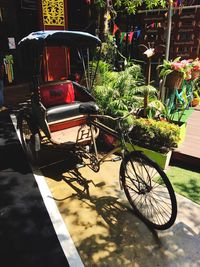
57	93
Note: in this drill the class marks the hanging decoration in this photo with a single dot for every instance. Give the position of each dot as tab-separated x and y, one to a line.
115	29
178	3
138	33
130	37
8	64
127	35
122	36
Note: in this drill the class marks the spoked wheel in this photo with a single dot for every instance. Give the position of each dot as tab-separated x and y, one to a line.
148	190
28	135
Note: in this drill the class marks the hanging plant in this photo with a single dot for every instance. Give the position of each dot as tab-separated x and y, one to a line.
175	71
195	69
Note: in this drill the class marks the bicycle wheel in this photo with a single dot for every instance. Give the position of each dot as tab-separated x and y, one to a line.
148	190
27	135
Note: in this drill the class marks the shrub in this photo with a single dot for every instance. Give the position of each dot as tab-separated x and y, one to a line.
118	92
160	136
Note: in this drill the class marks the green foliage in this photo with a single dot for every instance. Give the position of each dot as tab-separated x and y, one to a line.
196	90
118	92
131	6
109	50
157	110
196	95
182	66
159	136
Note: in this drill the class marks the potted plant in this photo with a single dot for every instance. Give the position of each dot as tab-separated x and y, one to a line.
155	138
196	99
175	71
195	69
117	92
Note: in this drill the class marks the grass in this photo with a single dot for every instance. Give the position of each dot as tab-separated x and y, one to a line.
185	181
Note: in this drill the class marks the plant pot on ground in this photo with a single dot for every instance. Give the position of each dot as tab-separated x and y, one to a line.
196	99
195	102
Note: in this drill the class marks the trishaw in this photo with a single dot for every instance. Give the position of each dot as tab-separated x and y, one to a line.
64	114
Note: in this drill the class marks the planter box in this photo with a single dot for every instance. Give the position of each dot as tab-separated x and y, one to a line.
182	127
184	116
182	122
161	159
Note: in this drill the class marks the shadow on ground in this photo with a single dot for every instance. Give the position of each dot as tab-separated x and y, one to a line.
27	237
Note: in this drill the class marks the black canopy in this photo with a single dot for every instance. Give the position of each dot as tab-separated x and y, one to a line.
60	38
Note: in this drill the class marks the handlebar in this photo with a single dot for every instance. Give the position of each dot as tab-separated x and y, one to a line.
115	119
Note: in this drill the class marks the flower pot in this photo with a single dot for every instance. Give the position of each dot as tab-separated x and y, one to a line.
195	74
195	102
174	80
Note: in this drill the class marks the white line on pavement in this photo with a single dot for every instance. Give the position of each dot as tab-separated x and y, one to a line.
60	227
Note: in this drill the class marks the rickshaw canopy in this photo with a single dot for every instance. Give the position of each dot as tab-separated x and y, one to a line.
74	39
82	43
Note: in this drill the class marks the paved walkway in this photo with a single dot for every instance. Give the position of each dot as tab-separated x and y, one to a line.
104	230
27	235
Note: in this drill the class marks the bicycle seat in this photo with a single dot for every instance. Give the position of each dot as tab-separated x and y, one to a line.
76	108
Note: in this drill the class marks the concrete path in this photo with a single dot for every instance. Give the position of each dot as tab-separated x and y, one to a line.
104	230
27	235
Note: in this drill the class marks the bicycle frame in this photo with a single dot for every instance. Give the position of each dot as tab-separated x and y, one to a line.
121	147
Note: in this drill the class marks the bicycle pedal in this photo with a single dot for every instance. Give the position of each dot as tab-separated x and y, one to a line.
116	158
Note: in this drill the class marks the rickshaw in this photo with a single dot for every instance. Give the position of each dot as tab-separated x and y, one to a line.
64	114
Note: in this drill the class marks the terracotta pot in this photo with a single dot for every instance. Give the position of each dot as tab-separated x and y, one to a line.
174	80
195	102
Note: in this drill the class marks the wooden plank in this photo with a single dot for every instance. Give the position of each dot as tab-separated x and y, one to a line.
190	149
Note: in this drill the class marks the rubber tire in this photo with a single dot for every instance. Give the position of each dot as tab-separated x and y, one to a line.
136	154
32	155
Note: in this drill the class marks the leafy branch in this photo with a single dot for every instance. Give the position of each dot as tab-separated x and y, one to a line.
131	6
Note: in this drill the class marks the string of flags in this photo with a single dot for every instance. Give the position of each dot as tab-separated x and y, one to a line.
126	35
136	33
177	3
154	25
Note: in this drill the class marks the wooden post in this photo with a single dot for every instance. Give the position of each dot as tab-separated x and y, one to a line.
169	27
